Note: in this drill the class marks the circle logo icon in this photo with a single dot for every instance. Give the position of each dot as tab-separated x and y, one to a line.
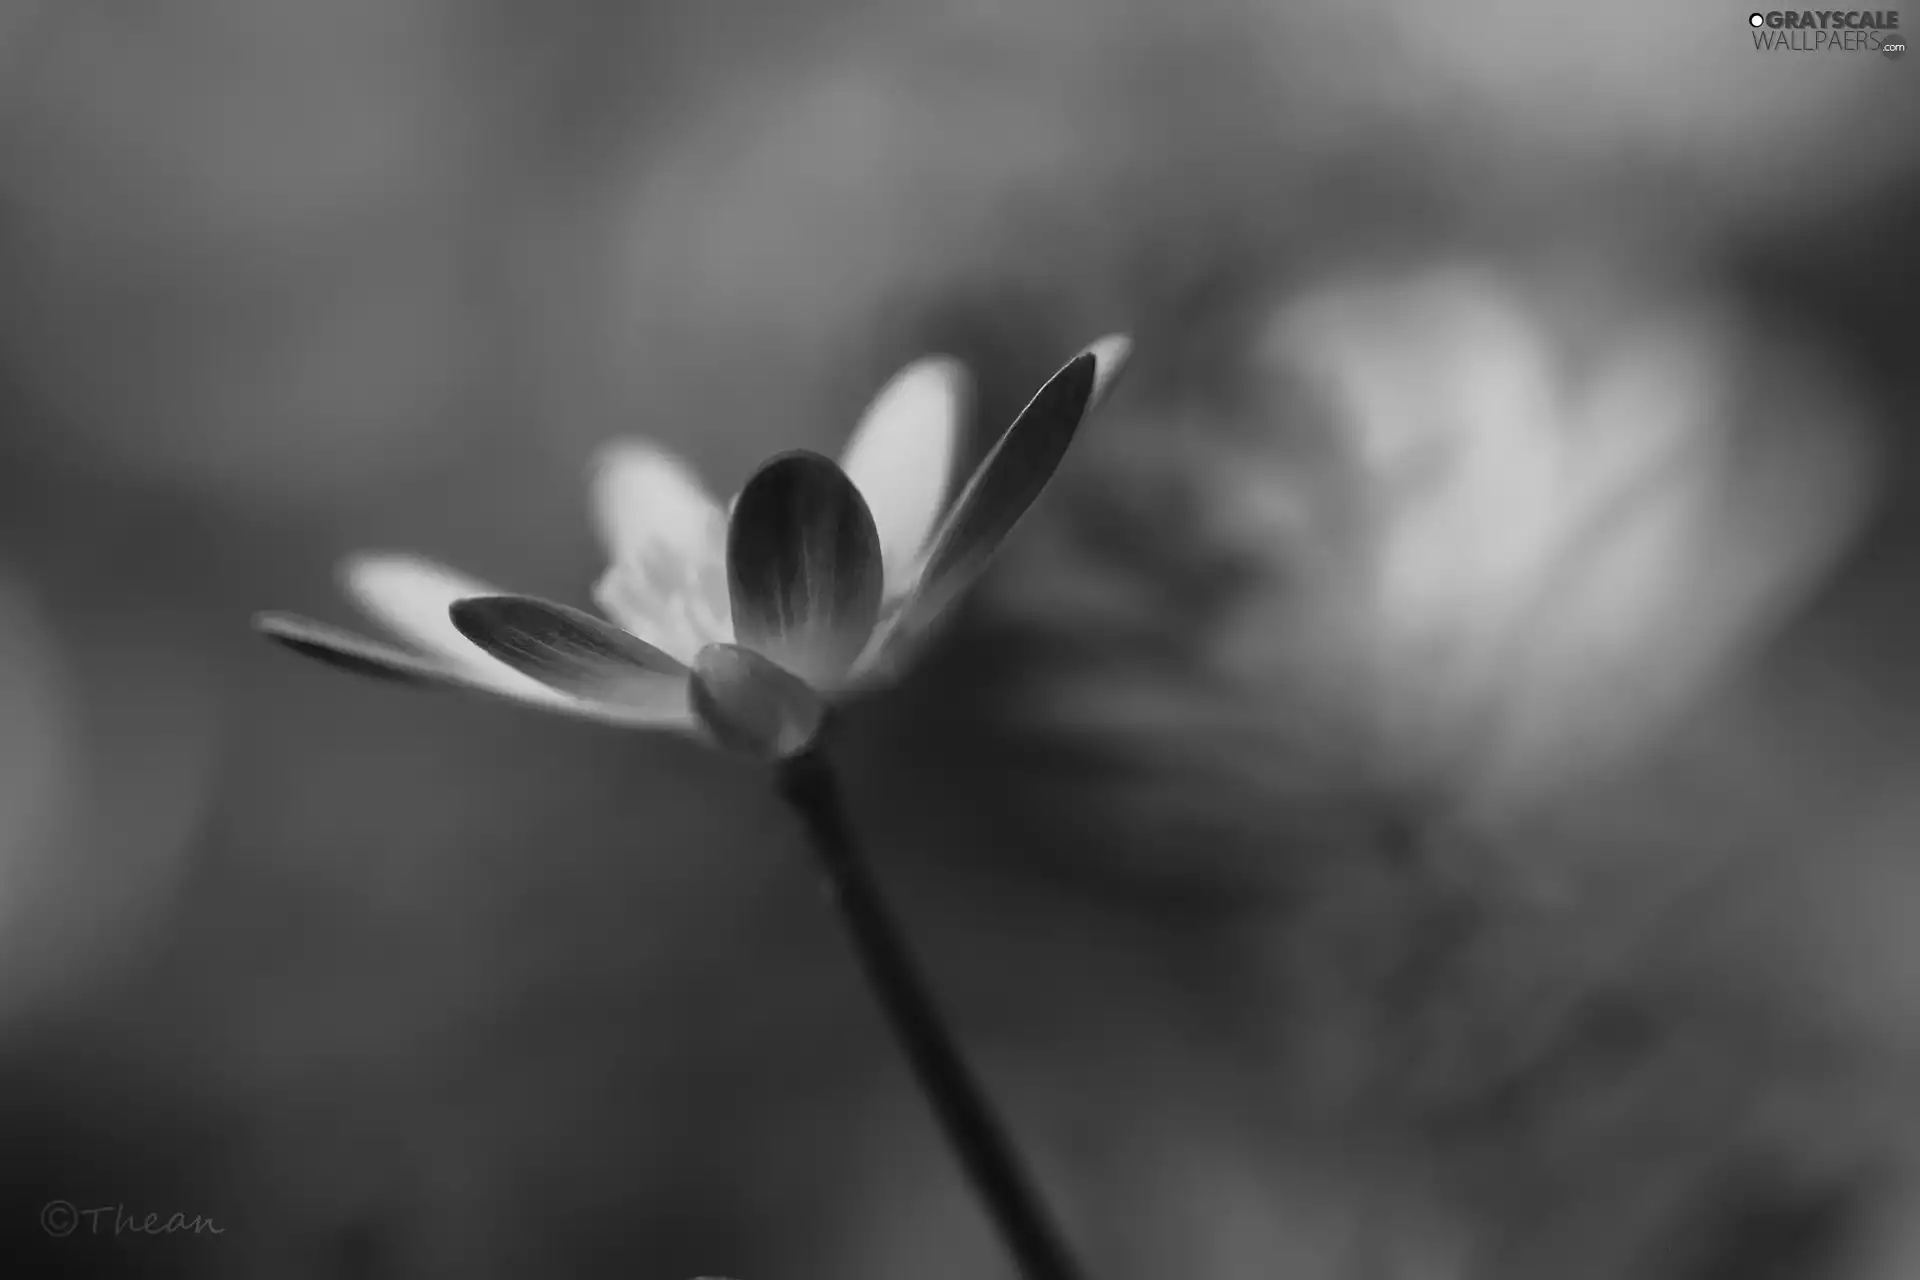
58	1218
1756	19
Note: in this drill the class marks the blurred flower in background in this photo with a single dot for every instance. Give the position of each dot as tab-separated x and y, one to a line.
1490	531
1518	534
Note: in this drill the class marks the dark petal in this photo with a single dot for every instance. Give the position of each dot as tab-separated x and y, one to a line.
350	652
1012	476
803	566
652	701
751	705
566	649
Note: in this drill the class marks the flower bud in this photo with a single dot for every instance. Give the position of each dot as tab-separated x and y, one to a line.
752	705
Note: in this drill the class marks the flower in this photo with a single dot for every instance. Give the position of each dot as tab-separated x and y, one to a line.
1478	539
819	578
1543	529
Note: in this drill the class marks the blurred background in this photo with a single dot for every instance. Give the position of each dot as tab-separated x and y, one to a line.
1423	798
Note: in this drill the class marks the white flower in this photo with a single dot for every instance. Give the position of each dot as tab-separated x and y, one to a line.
1526	556
818	577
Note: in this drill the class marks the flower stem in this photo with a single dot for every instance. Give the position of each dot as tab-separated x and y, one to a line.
978	1137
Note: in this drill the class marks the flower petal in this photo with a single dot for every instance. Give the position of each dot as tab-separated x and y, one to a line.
410	595
901	455
666	606
647	501
338	647
1110	356
803	566
575	653
1006	484
362	656
753	706
666	543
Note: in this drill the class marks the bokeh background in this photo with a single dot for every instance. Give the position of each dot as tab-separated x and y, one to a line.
1425	797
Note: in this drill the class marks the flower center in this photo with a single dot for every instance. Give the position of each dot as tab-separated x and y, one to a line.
669	599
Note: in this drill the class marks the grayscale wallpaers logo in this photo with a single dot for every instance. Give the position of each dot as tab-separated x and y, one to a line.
1828	31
